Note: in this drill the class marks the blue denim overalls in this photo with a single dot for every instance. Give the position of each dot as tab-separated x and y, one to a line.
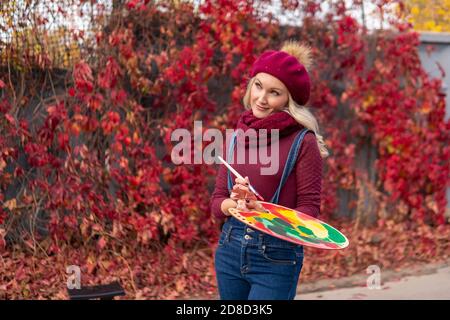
252	265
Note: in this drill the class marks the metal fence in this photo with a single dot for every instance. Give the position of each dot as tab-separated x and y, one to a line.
48	32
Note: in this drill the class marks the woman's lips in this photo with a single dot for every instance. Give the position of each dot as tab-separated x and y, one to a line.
261	108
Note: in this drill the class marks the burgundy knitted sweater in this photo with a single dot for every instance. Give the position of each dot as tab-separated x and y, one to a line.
302	190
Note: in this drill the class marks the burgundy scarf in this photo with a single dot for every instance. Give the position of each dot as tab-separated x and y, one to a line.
282	121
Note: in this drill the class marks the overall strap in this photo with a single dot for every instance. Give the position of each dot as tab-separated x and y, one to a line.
230	156
290	163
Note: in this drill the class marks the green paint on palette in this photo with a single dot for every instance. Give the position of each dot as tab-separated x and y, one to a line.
277	229
293	233
281	222
264	222
297	235
287	227
311	240
306	231
334	235
275	226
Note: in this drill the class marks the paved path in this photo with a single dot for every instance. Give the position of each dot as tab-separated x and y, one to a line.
435	286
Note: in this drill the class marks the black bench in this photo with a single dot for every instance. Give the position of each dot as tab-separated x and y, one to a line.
102	292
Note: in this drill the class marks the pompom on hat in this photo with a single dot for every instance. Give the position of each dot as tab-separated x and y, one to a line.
290	66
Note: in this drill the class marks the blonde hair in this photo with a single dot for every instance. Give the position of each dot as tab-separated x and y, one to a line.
300	113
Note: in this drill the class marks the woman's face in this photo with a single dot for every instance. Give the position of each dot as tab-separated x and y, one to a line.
267	95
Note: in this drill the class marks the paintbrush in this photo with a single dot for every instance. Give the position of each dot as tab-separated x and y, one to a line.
239	176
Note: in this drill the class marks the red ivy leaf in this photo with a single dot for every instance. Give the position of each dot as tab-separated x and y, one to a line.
83	77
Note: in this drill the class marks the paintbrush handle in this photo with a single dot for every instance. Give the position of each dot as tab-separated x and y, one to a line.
239	176
230	168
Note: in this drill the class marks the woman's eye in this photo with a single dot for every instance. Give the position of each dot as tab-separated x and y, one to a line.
276	93
258	85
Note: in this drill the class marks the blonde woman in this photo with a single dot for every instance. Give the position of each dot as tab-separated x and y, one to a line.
250	264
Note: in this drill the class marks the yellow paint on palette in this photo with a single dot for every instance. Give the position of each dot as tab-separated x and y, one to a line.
291	216
267	216
316	228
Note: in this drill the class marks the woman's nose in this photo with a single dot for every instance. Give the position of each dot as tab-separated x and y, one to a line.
262	99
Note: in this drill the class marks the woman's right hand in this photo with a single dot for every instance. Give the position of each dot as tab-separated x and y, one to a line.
246	199
241	190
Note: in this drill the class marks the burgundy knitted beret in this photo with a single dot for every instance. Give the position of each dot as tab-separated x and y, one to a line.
288	70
